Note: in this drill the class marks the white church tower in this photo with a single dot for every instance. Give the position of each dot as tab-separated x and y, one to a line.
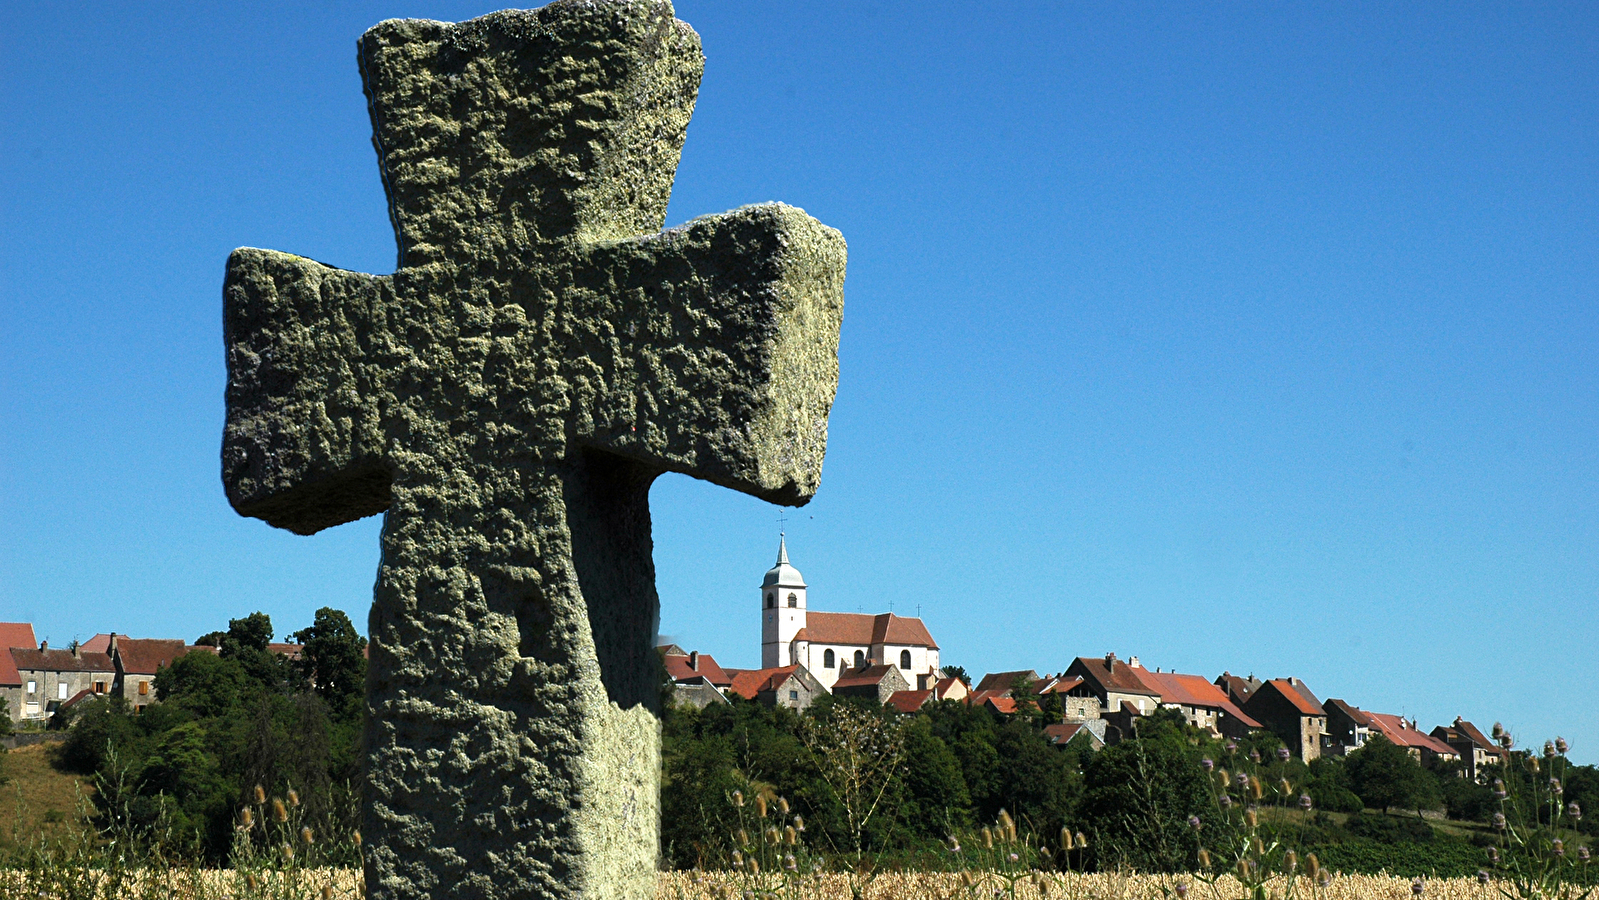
782	613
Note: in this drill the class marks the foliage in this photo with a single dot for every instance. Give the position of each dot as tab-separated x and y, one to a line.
225	723
1385	775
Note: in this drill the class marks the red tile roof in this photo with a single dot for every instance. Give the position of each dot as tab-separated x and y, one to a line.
1001	704
863	677
144	656
13	634
1061	685
1398	731
1000	682
60	661
1061	733
1475	736
1299	695
909	701
864	630
100	643
678	668
1195	691
748	683
1123	678
978	698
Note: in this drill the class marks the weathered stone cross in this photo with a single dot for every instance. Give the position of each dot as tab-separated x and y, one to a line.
507	396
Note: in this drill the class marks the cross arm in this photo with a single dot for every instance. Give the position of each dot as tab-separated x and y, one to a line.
302	447
712	349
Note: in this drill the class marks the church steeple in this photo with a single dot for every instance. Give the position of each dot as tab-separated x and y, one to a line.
782	609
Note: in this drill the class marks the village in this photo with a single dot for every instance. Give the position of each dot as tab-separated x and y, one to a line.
1097	700
887	658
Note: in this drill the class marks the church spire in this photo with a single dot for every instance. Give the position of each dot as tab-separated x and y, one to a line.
782	549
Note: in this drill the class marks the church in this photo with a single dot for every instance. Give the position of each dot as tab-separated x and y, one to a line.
830	644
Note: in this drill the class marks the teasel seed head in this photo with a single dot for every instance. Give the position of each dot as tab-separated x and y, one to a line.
743	838
1256	790
246	818
966	878
1194	823
738	799
790	863
1082	841
1498	730
1223	777
1287	788
1204	858
760	806
1482	876
1493	855
1312	864
988	837
260	795
1290	862
1499	821
250	882
738	860
1305	803
1254	756
1283	754
1561	746
1259	846
1582	853
1323	878
1555	787
1012	857
288	852
356	836
1065	838
1007	825
1558	846
1207	764
305	835
1252	818
1549	749
327	892
1574	811
790	836
280	814
782	806
294	798
1226	801
1417	888
1243	870
799	823
1180	889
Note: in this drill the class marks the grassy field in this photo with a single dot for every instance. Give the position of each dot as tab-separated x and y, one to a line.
37	798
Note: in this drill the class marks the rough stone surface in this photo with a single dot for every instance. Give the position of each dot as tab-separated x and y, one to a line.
506	397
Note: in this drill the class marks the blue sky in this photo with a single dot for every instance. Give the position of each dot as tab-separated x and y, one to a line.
1234	337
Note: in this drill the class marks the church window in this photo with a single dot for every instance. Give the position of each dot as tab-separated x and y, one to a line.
771	600
860	659
827	659
904	659
793	601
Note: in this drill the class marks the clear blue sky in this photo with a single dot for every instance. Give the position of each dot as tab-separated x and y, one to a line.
1239	337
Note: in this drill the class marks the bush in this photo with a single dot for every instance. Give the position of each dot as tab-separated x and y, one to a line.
1389	830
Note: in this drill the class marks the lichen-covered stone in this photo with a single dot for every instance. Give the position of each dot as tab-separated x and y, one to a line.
506	398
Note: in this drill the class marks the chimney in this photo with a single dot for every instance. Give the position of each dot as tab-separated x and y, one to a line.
44	645
112	647
1133	661
1110	663
694	660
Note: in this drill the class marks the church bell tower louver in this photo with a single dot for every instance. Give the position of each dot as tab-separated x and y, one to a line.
782	611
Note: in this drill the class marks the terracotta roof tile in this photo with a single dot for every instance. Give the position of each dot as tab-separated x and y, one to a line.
678	668
862	677
144	656
1001	704
100	643
1195	691
909	701
864	630
1124	678
13	634
1299	695
1063	732
1002	681
748	683
1398	731
60	661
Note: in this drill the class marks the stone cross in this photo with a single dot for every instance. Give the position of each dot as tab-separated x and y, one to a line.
506	398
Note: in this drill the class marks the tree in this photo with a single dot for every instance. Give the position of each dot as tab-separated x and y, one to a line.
253	632
1139	794
205	684
958	673
332	660
1385	775
858	753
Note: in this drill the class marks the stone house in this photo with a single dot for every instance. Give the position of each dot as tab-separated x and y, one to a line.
1238	688
1202	703
791	686
1401	731
696	678
1348	727
137	661
13	634
1063	733
876	682
950	689
52	677
1287	708
1113	682
1475	749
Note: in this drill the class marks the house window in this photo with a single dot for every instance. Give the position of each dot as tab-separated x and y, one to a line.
793	695
793	601
61	690
99	687
827	659
31	709
144	688
33	687
860	659
904	659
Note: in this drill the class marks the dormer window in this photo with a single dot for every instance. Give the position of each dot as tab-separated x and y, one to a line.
793	601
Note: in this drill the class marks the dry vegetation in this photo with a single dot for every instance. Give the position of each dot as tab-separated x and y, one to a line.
37	798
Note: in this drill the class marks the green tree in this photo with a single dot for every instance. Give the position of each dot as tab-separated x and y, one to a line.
1385	775
937	801
957	672
205	684
332	660
1138	795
